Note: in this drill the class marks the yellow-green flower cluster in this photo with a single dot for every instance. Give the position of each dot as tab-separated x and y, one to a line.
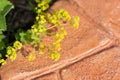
2	62
42	5
42	48
38	29
11	53
17	45
59	37
58	16
53	19
39	26
63	14
31	56
40	19
76	22
55	56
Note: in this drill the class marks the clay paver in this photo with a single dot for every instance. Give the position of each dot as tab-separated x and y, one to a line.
91	52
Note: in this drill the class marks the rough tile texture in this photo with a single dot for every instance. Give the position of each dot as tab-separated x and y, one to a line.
91	52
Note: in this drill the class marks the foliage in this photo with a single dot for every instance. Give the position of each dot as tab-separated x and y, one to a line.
5	7
44	22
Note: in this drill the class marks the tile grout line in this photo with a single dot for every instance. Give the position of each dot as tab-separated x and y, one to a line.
62	64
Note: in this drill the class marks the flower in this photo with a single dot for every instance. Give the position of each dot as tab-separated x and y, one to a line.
17	45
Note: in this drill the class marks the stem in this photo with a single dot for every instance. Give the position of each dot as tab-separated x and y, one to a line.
51	27
57	26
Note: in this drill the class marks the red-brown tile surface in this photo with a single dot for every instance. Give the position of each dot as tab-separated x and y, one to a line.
91	52
102	66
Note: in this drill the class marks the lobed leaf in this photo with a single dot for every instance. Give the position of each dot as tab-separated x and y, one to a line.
5	7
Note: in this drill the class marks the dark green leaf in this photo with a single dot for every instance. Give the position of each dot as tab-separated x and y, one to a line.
2	45
2	23
5	7
1	37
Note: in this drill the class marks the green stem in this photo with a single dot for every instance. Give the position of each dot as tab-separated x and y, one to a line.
56	26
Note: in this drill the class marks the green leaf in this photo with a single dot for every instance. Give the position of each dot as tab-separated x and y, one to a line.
25	37
31	5
0	55
17	35
5	7
1	37
2	23
36	39
2	45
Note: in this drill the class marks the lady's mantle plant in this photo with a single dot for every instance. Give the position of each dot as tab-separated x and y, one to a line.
5	7
44	23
